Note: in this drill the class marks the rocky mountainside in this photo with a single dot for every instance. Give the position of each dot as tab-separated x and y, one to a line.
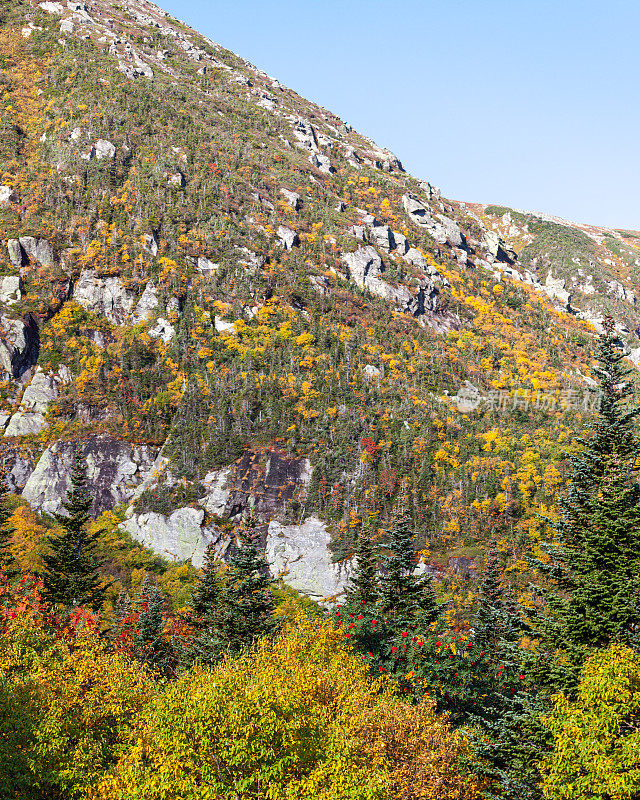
232	300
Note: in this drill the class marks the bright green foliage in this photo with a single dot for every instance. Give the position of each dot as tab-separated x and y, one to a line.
597	736
71	566
594	564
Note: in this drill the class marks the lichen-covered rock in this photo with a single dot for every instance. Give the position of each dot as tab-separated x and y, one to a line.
147	305
105	149
10	289
107	297
30	419
299	554
39	250
163	329
178	537
114	469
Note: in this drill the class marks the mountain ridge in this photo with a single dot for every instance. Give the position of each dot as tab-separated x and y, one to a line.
233	300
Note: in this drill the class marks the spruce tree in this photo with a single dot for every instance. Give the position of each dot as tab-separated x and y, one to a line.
498	620
8	565
201	611
150	646
71	564
364	588
241	605
592	595
407	599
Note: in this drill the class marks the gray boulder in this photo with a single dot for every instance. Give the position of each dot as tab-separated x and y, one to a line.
365	267
401	242
206	267
147	305
288	238
300	556
292	198
182	536
114	469
25	423
163	329
382	237
19	344
10	289
322	163
107	297
7	195
39	250
104	149
16	253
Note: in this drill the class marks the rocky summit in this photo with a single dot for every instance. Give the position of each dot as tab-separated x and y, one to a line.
230	301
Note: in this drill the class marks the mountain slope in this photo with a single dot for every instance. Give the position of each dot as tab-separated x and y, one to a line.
234	300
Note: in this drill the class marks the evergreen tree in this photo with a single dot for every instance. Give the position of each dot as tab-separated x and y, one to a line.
592	594
150	646
508	736
498	622
8	564
71	566
363	588
201	613
406	599
241	606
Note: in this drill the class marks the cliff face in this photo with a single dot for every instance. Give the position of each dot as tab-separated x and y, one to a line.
233	300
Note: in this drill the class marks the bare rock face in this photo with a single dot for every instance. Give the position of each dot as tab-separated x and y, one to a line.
178	537
19	344
105	296
299	554
264	480
114	469
365	267
43	389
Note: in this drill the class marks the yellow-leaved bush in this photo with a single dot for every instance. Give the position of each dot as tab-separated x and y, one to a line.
596	751
297	718
65	704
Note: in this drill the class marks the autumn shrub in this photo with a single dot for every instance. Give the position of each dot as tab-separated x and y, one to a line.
597	738
296	718
65	703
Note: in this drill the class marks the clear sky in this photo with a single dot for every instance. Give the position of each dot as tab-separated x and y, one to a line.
527	103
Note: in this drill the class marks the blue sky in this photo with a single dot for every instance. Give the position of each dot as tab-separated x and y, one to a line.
527	103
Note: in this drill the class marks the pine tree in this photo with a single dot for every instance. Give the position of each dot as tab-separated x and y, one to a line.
150	646
407	599
498	619
238	611
592	594
8	565
201	613
363	588
71	566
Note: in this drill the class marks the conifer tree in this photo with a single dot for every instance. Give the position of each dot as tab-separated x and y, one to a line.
406	598
150	646
593	592
236	611
201	613
8	564
363	588
71	566
498	621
